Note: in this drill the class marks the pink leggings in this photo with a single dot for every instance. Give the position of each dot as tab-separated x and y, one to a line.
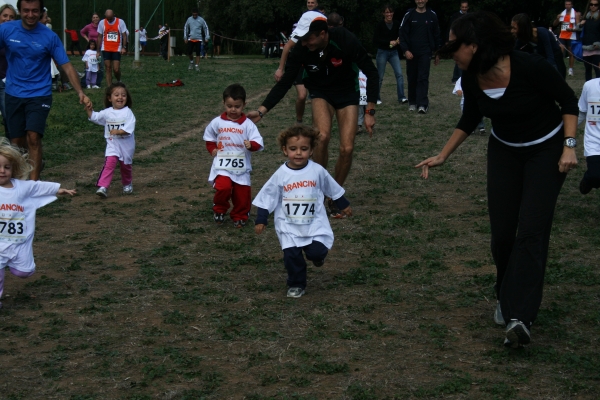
15	272
109	168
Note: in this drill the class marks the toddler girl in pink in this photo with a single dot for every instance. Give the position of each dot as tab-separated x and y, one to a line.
119	127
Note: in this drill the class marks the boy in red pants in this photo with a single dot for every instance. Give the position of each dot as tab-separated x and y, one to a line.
230	139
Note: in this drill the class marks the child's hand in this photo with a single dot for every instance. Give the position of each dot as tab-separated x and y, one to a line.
347	211
214	152
459	92
259	228
114	132
247	144
72	192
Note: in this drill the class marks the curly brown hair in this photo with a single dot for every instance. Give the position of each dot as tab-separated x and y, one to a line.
298	130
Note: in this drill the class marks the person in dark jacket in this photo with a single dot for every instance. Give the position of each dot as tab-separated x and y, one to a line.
387	40
530	151
464	8
419	39
537	40
591	39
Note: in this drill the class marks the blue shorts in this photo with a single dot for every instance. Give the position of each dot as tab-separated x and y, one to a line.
142	43
111	55
26	114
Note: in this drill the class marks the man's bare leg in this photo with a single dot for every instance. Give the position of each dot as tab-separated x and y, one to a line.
300	102
346	118
32	142
108	72
117	69
322	113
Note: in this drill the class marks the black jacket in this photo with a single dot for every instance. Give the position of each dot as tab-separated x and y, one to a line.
333	70
433	33
383	36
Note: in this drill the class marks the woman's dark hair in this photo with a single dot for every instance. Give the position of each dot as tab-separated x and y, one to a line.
488	32
524	27
109	91
387	6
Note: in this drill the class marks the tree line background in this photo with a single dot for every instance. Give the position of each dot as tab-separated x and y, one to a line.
251	19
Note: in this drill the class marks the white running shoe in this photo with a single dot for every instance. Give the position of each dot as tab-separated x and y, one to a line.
295	292
128	189
101	192
570	71
89	86
498	318
517	334
95	87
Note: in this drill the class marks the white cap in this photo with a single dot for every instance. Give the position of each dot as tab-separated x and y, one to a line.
304	24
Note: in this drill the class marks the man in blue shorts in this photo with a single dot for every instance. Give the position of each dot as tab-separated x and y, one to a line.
29	47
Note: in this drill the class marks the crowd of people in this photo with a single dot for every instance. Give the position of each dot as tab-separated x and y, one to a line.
511	75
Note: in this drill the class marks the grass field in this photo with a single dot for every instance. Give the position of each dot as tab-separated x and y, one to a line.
143	297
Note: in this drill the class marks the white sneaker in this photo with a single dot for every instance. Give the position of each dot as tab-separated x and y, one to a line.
412	107
517	334
128	189
570	71
95	87
378	101
89	86
101	192
498	318
191	66
197	68
295	292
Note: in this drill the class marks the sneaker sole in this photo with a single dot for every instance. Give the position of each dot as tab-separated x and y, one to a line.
517	337
298	296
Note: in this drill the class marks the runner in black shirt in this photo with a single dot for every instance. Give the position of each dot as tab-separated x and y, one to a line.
331	59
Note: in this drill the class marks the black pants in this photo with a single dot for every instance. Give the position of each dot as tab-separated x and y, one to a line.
75	45
592	175
417	72
163	48
523	186
595	60
296	265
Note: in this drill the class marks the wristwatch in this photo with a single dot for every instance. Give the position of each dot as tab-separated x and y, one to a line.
570	142
370	111
260	114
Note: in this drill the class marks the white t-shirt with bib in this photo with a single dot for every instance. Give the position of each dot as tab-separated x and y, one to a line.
589	103
233	158
296	196
122	146
91	56
17	220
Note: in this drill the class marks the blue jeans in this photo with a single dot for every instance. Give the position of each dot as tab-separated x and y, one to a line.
391	56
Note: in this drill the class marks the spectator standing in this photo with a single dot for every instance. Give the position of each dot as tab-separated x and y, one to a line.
7	13
537	40
163	34
28	82
569	26
90	31
217	44
195	32
419	39
74	41
112	33
464	8
387	40
591	35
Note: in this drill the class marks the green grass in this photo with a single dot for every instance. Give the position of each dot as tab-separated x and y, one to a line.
142	297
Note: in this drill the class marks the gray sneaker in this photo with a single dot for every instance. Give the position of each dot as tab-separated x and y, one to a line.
295	292
412	107
128	189
101	192
517	334
423	110
498	318
197	68
190	66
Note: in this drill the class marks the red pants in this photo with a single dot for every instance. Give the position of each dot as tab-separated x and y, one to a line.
240	196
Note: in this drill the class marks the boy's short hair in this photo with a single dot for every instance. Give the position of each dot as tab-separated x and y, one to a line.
299	130
235	91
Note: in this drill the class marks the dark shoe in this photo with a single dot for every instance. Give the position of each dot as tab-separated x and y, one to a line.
584	187
318	263
239	224
517	334
218	218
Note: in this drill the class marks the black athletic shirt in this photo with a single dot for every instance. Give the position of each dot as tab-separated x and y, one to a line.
331	71
528	109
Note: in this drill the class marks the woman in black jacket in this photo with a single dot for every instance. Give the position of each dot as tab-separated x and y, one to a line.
530	151
591	39
386	39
